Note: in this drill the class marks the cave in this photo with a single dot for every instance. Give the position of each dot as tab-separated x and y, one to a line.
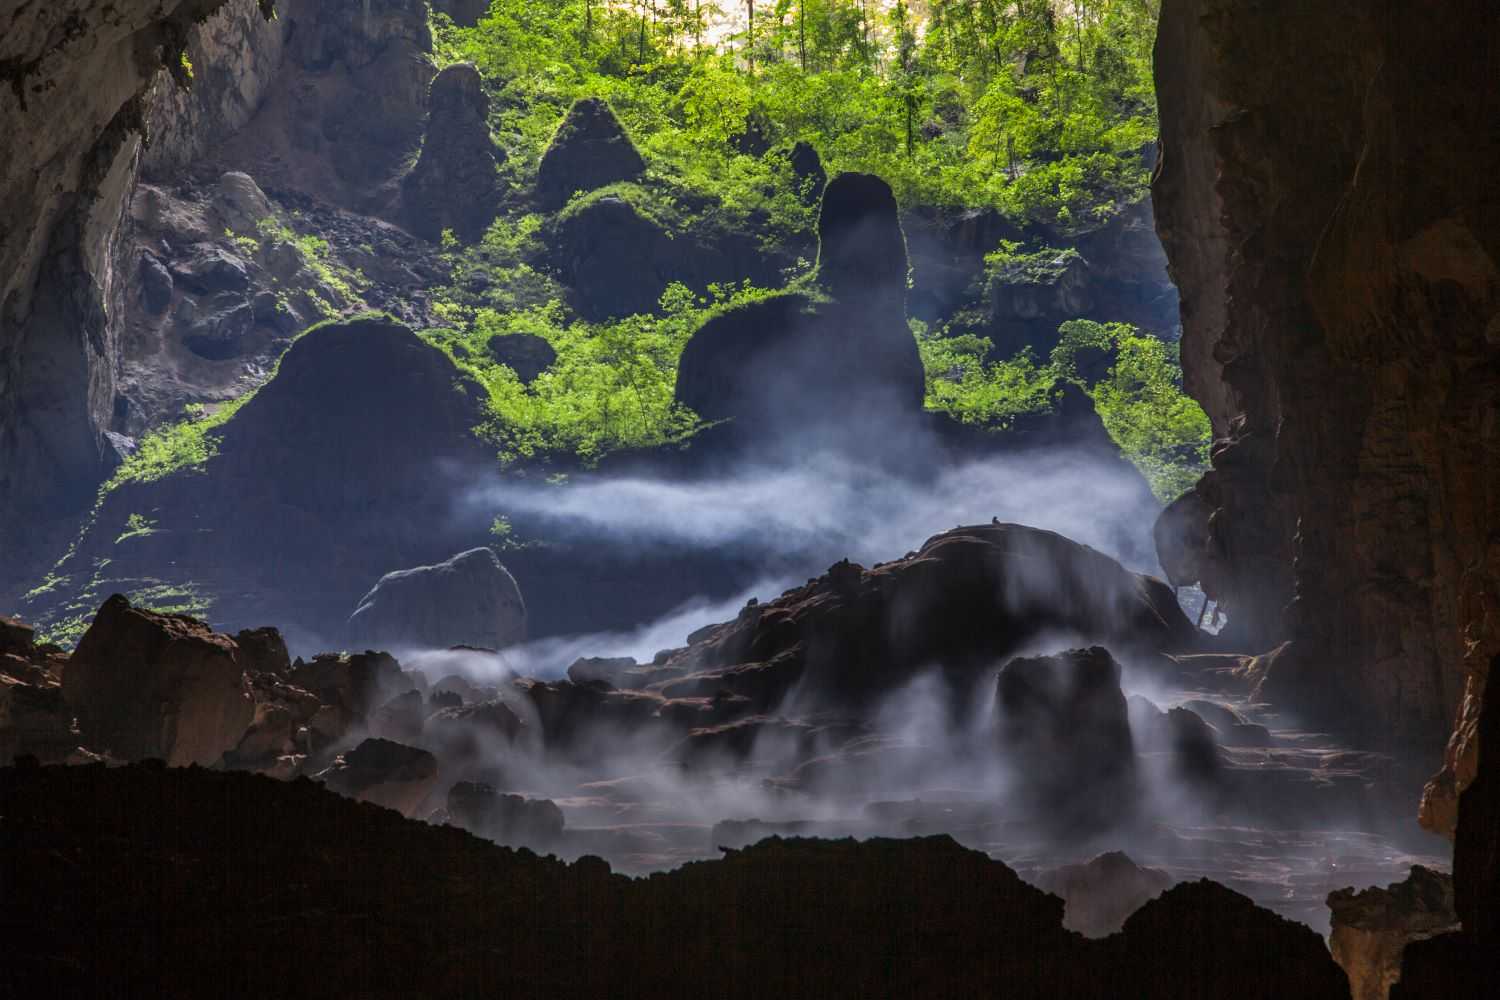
974	500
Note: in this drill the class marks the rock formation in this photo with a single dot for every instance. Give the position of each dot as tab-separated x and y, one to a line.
1372	927
788	361
1063	729
841	918
861	248
152	685
356	489
385	773
807	168
589	151
469	600
505	819
961	602
1464	964
454	186
526	354
1102	893
78	80
1350	385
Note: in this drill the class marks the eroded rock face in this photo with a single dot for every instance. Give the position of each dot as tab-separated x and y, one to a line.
1371	928
454	186
590	150
151	685
1463	964
963	601
1063	726
1351	232
469	600
78	77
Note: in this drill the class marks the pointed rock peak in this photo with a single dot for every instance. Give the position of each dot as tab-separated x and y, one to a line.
589	150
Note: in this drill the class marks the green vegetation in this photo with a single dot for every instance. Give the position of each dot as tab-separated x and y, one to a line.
187	444
343	282
1037	107
611	388
136	526
1135	381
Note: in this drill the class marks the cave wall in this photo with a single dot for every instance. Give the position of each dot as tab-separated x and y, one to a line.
79	78
1326	199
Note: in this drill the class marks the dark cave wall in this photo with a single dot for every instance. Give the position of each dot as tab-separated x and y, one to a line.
1326	199
79	78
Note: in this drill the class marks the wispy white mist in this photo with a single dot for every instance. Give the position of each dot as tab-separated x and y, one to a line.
826	508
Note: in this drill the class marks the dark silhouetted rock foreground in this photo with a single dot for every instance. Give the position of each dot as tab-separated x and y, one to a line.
186	882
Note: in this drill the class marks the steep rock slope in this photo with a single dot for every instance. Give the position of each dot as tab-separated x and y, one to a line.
1337	250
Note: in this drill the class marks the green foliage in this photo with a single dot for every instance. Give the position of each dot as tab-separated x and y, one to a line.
1139	396
611	387
963	384
342	281
1158	426
136	526
1036	107
1008	264
187	444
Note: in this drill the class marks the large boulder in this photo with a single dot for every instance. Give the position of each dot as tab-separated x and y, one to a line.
152	685
386	773
465	13
1065	731
1372	927
526	354
341	467
356	684
454	184
966	599
469	600
589	150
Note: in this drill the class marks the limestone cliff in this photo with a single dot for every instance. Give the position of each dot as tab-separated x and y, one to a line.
80	77
1325	197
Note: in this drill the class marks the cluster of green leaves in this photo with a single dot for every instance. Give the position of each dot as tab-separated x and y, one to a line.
1135	381
188	443
1036	107
343	282
611	387
1010	264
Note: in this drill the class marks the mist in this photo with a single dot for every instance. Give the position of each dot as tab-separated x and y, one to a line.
820	507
